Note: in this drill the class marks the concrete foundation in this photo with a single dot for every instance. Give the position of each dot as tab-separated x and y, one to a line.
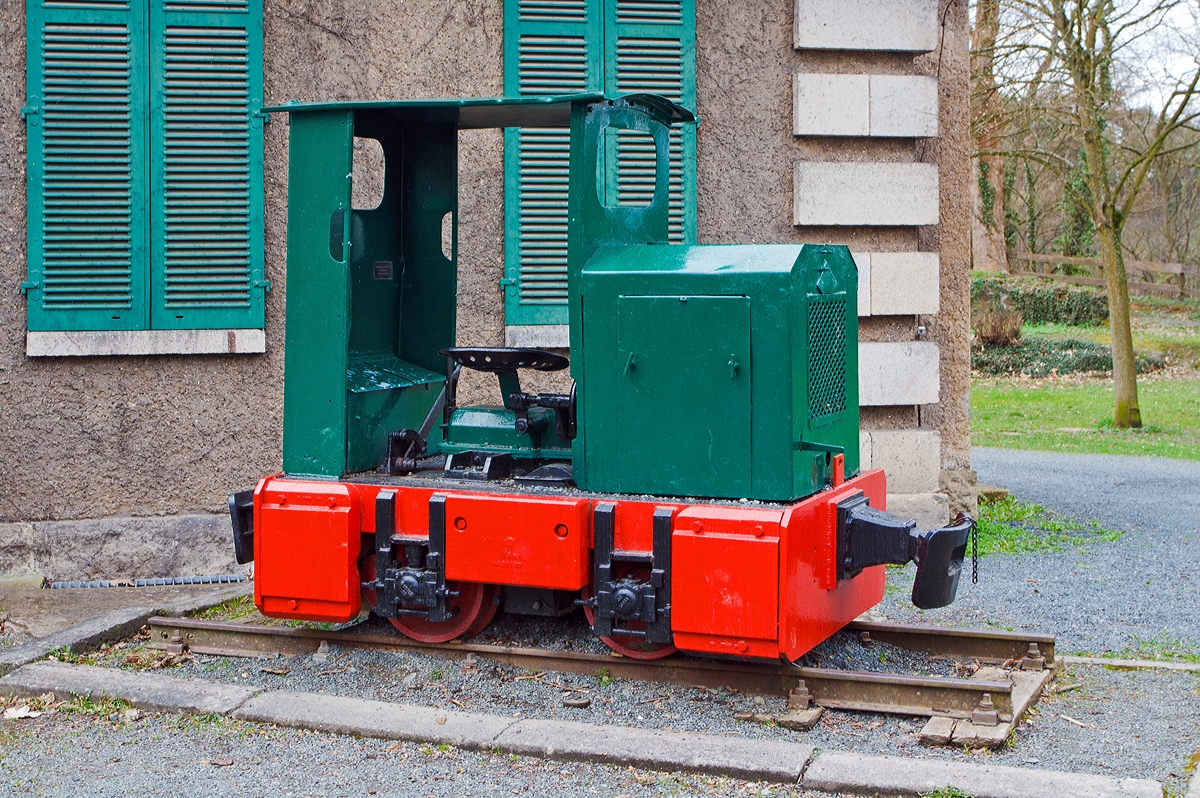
119	548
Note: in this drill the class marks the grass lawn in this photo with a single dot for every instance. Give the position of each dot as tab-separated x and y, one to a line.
1009	526
1075	415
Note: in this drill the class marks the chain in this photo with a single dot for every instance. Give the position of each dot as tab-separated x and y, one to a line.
974	552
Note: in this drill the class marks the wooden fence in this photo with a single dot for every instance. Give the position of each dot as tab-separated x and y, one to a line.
1180	281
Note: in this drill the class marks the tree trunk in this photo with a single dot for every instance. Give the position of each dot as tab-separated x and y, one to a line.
1126	412
988	249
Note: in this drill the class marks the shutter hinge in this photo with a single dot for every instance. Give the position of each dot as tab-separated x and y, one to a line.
263	284
31	113
30	285
507	284
258	117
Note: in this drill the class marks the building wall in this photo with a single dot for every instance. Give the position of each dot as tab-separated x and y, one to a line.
817	116
165	438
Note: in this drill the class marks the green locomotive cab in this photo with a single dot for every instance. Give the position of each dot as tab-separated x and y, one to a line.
711	371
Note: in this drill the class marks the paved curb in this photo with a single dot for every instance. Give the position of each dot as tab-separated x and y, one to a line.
1194	788
840	772
340	715
548	739
768	760
113	625
145	690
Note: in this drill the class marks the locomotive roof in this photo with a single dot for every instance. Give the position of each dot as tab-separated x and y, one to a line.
490	112
706	258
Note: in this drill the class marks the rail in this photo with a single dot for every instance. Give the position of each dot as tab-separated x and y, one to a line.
903	694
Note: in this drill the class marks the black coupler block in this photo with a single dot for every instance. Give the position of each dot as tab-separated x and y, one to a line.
939	556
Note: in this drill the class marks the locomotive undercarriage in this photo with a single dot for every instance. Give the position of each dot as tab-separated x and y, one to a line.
621	572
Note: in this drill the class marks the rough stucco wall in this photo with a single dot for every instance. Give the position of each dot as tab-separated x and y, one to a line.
95	437
746	151
91	437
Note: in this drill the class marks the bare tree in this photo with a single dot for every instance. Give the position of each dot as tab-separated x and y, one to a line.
1164	225
1077	65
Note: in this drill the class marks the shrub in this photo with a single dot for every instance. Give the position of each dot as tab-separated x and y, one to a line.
1040	357
1040	303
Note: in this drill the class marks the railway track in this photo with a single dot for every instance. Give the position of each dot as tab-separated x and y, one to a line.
981	710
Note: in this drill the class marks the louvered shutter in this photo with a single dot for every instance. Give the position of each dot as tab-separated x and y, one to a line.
85	101
207	266
551	47
650	46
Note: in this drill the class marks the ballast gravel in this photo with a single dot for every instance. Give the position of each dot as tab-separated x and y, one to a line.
1137	724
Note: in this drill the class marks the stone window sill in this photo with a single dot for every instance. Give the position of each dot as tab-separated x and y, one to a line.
145	342
538	336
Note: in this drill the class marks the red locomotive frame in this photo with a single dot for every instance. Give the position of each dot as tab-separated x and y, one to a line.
747	582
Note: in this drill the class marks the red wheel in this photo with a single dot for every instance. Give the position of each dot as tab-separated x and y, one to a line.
491	606
632	647
473	609
466	610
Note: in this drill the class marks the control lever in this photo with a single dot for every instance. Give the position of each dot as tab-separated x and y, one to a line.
406	445
563	406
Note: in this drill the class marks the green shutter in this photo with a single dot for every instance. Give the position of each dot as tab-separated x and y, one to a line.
550	47
614	46
206	67
85	100
650	46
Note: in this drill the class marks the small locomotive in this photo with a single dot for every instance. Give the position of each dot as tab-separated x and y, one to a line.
696	488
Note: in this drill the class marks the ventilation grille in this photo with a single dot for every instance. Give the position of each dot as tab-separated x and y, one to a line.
103	5
826	360
552	10
87	156
207	6
551	65
207	162
650	12
650	65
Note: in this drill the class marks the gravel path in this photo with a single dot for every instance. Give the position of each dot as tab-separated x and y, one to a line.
1141	591
70	754
1136	597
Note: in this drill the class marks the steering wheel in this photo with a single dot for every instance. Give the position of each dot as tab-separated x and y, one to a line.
502	359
